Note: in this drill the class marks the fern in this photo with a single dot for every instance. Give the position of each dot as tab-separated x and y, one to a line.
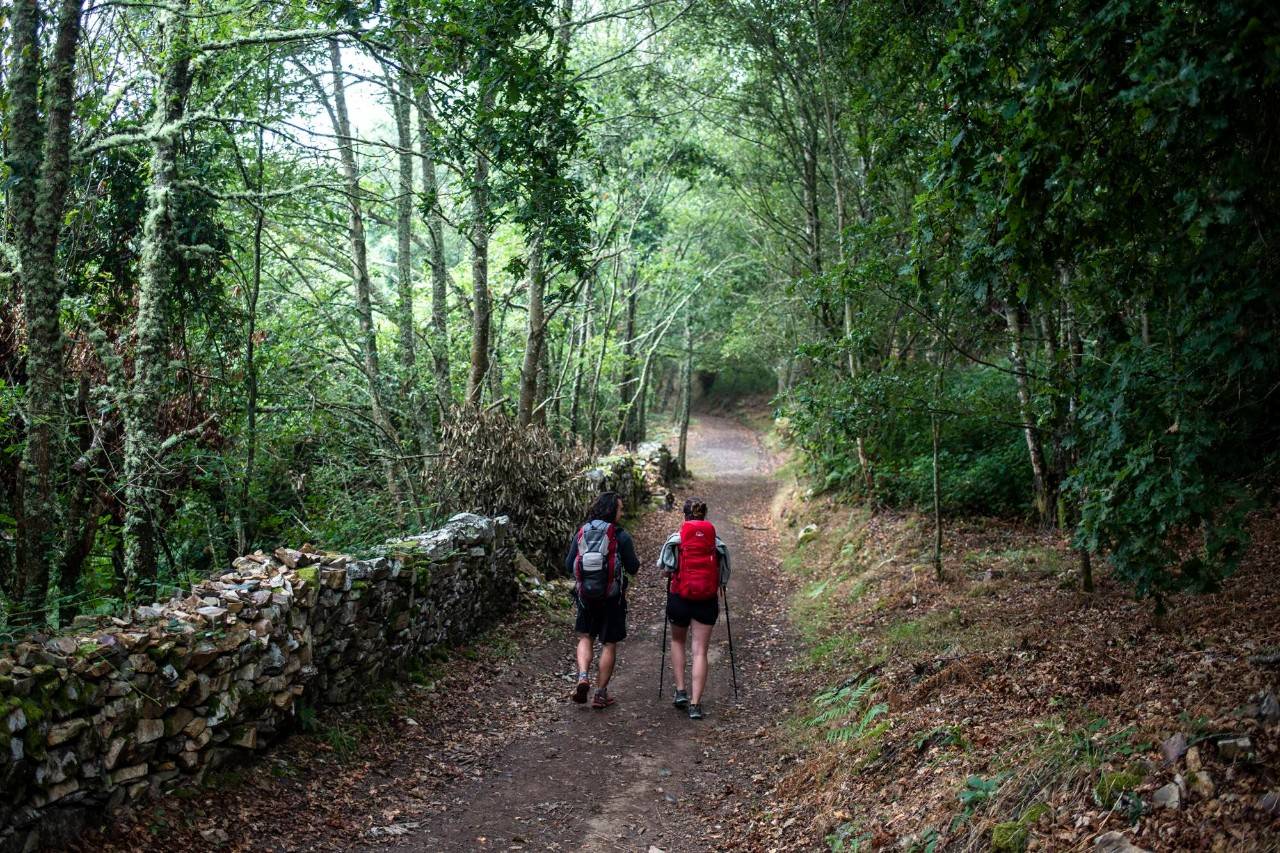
847	714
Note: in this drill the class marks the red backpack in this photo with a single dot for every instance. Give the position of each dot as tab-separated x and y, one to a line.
697	577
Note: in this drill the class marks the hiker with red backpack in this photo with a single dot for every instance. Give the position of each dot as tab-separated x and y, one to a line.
696	564
601	558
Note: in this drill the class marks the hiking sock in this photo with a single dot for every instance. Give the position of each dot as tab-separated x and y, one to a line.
580	690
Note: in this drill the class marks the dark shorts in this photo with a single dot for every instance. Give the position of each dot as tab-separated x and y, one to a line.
681	611
606	620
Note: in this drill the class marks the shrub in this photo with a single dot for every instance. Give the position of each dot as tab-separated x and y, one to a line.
491	466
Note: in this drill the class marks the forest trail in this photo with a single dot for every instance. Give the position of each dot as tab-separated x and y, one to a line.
620	779
493	756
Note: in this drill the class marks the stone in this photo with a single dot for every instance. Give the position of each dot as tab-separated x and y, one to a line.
1201	784
1193	759
128	774
177	721
1115	842
113	753
150	730
1174	748
1169	796
64	732
212	613
1269	708
16	721
1269	803
245	737
807	533
1236	749
291	558
57	792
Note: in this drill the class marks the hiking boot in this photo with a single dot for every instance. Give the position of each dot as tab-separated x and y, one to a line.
695	711
682	699
580	692
602	700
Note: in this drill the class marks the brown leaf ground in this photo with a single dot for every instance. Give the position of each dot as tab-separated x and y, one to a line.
1055	700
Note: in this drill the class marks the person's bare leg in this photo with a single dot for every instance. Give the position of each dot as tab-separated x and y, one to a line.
584	653
678	637
607	653
701	640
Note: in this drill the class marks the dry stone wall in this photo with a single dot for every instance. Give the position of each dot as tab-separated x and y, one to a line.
154	701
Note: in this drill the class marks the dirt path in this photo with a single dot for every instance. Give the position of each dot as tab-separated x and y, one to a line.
493	756
619	780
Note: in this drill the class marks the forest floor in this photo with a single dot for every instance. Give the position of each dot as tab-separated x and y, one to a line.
879	708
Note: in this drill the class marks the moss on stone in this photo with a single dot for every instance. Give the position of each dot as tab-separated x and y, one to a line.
1112	785
1009	837
308	574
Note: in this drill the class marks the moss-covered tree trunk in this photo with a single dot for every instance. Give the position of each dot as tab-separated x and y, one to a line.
1035	448
481	303
439	274
535	335
39	156
686	397
155	286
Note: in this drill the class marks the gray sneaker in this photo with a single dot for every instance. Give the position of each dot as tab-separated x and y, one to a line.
682	699
695	712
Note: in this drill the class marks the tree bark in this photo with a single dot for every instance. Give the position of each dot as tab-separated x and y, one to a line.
40	156
439	274
686	398
151	327
360	273
482	307
580	362
406	354
626	385
1035	450
245	521
535	335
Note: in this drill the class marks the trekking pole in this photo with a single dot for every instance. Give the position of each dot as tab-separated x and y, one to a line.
662	667
733	663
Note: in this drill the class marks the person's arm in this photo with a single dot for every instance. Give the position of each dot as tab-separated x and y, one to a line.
627	550
571	558
722	551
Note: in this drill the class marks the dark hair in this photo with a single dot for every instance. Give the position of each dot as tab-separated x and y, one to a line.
695	509
605	507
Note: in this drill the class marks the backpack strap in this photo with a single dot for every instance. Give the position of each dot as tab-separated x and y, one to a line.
611	558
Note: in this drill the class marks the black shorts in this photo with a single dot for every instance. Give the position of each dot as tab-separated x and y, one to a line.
606	620
681	610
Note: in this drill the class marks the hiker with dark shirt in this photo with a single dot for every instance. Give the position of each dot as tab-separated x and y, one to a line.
696	564
601	559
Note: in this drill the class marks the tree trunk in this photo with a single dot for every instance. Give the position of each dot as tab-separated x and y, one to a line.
580	363
387	439
535	334
686	398
480	317
627	384
151	327
439	275
1043	501
40	156
406	355
245	521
